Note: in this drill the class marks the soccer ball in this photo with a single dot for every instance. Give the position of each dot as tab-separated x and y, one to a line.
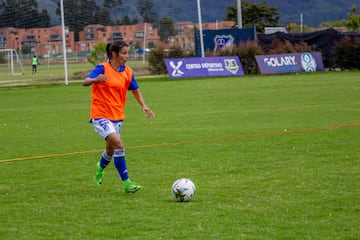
183	190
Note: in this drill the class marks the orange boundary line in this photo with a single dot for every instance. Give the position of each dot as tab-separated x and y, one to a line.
189	142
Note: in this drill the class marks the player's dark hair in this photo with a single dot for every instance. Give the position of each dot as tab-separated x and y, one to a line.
115	46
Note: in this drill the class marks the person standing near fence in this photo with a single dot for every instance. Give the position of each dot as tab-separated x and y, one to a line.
111	80
34	64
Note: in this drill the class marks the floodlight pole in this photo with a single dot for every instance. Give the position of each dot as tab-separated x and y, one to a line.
64	41
200	29
239	14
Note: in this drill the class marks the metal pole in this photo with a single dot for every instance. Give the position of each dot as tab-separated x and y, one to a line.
64	41
144	42
239	14
12	61
200	29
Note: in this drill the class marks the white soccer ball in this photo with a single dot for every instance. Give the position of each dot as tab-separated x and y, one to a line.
183	190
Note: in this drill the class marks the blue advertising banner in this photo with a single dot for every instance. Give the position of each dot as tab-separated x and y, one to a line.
218	40
290	62
203	67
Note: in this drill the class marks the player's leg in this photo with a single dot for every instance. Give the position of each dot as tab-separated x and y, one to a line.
104	128
114	142
105	159
120	159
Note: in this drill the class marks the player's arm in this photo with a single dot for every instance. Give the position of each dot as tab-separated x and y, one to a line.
97	75
99	78
140	99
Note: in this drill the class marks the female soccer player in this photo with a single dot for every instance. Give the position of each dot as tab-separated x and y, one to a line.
110	82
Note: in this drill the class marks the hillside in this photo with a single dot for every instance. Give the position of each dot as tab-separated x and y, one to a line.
314	11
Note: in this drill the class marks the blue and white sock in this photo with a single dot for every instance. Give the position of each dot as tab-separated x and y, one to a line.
120	163
105	159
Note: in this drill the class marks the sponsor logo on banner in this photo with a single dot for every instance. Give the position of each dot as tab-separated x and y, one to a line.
280	61
308	62
201	67
290	62
223	42
231	65
176	68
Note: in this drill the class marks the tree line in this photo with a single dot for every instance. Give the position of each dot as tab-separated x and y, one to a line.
79	13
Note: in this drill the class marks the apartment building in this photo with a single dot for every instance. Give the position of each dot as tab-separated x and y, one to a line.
135	35
38	41
48	41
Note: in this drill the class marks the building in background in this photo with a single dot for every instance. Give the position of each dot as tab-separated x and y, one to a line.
47	42
36	41
135	35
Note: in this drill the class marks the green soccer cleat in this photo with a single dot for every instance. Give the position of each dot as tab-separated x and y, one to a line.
99	174
131	187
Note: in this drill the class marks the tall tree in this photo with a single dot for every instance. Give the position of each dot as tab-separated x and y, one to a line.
354	20
79	13
72	14
149	15
103	17
114	7
259	14
126	20
166	29
44	19
22	14
89	10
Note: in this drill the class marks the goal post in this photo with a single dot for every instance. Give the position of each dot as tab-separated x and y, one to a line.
13	61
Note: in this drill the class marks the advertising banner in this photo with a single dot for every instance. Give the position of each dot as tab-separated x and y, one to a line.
203	67
290	62
222	39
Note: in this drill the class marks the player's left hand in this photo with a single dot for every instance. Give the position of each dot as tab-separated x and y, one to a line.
149	112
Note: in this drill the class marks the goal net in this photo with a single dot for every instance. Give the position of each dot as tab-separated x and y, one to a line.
62	34
10	62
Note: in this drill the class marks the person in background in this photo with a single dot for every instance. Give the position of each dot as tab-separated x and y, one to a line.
34	64
110	81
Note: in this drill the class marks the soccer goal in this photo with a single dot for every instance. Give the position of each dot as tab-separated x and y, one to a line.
11	62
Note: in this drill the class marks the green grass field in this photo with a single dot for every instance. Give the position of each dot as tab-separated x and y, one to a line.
273	157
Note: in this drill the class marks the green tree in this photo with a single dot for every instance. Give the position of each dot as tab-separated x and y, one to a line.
44	19
126	20
98	54
22	14
146	11
353	20
103	16
259	14
89	11
166	29
114	7
72	13
79	13
337	23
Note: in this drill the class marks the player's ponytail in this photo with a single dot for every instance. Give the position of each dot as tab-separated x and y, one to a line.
108	53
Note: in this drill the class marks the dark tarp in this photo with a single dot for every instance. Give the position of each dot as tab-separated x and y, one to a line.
323	41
